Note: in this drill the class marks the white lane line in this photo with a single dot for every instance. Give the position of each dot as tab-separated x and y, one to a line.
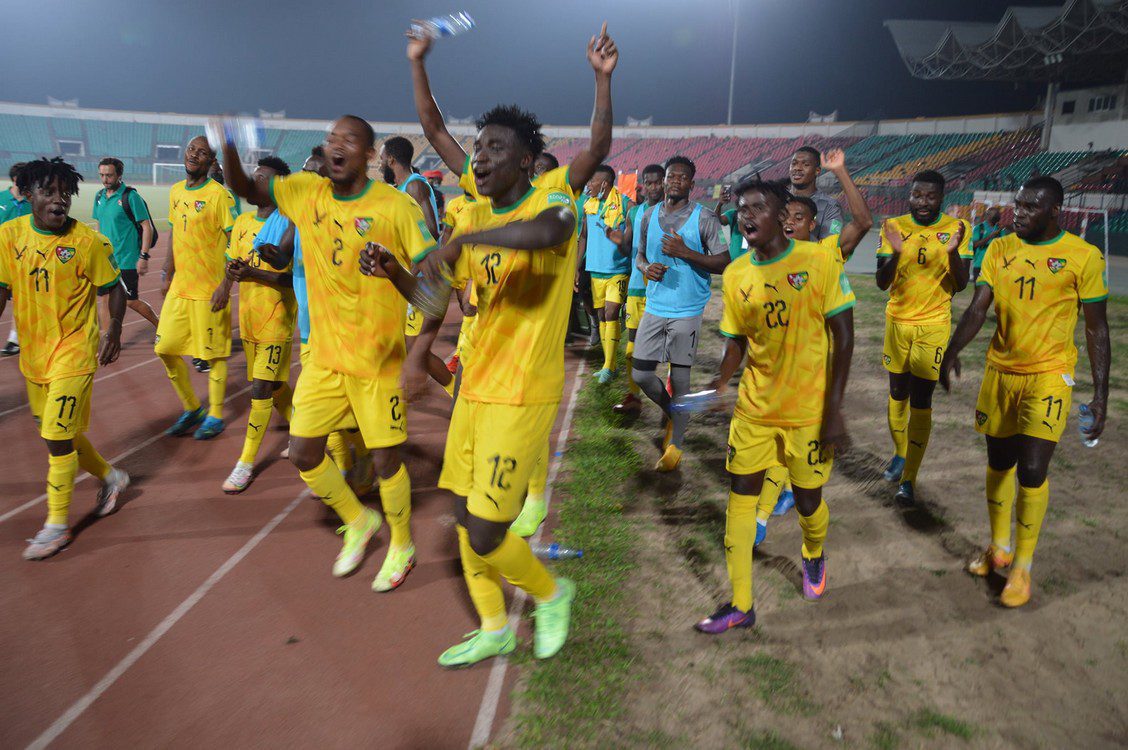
487	711
79	707
120	457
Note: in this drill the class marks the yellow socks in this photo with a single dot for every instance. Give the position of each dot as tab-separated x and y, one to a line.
814	530
177	373
395	495
60	486
338	448
89	459
610	332
632	386
283	400
775	478
484	584
1032	502
327	483
920	427
217	387
1000	501
515	560
740	535
257	422
898	412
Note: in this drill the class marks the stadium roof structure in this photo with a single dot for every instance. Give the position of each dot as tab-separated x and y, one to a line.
1080	41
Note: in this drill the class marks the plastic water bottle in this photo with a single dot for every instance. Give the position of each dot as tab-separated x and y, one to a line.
432	297
245	132
1085	423
693	402
452	24
554	551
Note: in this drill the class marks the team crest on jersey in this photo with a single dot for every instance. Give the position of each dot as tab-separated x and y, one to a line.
200	205
798	280
1056	264
980	418
64	253
362	224
943	236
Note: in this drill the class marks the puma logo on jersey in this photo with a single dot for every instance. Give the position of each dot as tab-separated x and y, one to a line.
771	286
42	254
1032	263
339	224
924	238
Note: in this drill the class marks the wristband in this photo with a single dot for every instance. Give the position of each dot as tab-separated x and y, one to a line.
145	256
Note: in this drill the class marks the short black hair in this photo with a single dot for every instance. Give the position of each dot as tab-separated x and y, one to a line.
317	151
400	149
369	133
275	163
683	160
775	188
14	170
814	152
42	172
653	169
929	177
806	201
110	161
524	124
551	159
1049	184
606	169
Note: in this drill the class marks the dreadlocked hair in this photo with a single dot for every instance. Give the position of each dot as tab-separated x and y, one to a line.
42	172
776	189
525	125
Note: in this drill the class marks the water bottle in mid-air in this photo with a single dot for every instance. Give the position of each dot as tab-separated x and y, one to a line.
554	551
1085	422
452	24
245	132
692	402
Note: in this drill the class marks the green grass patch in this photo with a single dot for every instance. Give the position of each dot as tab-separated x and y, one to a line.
767	741
567	701
774	681
885	737
930	722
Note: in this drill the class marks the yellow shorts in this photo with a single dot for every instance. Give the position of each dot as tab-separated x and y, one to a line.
612	290
62	407
326	401
414	322
915	349
465	346
636	306
268	361
189	328
491	451
755	447
1011	404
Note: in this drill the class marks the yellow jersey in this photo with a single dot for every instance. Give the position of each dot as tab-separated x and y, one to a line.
922	289
1037	288
266	312
832	243
454	210
781	307
524	299
54	279
359	318
200	218
554	178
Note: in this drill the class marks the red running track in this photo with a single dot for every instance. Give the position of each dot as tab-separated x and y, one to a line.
190	618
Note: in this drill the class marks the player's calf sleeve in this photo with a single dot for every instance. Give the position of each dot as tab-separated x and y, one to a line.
484	584
395	496
610	343
257	422
89	460
632	386
1031	509
327	483
217	387
740	535
814	530
920	427
775	478
898	412
283	400
515	561
177	373
1000	502
338	448
60	486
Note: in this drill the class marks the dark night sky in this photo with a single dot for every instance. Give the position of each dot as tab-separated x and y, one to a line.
319	59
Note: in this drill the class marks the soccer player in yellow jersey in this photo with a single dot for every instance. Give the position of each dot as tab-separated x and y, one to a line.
267	312
520	251
200	216
802	212
54	266
352	379
924	258
1036	279
788	313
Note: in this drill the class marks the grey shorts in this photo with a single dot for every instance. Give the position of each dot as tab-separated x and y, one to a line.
672	340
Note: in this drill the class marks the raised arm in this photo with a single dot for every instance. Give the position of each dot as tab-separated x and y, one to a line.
603	56
430	116
1097	342
861	220
238	181
970	323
